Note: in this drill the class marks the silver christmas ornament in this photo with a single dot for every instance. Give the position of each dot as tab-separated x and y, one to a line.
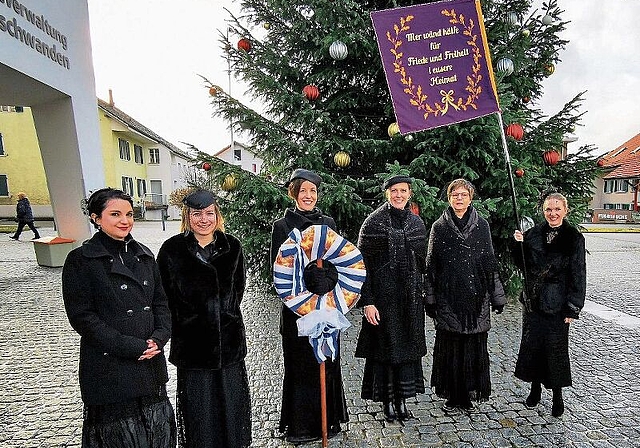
547	19
338	50
505	66
512	18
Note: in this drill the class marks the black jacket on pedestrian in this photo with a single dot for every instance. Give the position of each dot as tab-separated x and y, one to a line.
115	309
462	274
394	256
556	271
204	297
24	213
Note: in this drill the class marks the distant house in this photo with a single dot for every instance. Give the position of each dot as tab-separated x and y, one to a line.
616	192
142	163
239	154
136	159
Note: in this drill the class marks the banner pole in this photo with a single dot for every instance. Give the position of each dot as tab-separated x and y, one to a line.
526	302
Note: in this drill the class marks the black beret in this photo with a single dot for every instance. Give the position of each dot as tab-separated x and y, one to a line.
396	180
199	199
301	173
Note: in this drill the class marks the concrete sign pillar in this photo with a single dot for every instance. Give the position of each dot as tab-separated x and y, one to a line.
45	63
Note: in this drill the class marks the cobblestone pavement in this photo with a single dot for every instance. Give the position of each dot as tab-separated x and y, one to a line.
40	404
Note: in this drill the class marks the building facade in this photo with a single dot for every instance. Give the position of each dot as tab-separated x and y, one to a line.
616	192
136	160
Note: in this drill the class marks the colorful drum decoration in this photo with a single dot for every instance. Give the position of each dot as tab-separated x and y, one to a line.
314	243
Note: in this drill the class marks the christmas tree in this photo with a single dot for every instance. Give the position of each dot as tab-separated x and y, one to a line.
315	67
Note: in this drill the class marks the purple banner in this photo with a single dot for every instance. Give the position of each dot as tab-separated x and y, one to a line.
437	63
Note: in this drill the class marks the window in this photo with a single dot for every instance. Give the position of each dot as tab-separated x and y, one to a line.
125	151
155	186
616	186
1	145
4	185
154	156
142	188
237	154
137	153
127	185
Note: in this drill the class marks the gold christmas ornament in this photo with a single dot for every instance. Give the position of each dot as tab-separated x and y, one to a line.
393	129
229	183
342	159
549	69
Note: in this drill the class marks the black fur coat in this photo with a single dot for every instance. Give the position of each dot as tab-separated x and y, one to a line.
204	298
556	271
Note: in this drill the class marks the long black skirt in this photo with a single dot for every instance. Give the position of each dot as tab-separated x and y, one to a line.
386	382
300	416
461	367
214	407
145	422
544	350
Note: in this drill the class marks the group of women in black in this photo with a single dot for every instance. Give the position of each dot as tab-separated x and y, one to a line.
125	305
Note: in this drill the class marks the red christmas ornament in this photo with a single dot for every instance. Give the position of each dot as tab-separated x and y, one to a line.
600	162
526	99
311	92
206	166
244	44
519	172
550	157
515	130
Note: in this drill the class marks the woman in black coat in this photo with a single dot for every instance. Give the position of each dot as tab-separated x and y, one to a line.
392	339
114	299
462	288
556	273
300	415
202	271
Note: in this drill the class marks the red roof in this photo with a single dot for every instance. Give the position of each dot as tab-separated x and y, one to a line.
624	161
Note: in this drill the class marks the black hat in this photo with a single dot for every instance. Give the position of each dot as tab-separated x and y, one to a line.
199	199
396	180
301	173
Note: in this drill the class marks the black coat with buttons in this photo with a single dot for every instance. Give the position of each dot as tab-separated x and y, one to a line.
115	309
204	297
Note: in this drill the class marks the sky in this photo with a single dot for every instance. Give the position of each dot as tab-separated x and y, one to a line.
150	53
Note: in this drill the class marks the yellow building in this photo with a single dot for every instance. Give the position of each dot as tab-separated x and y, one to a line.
21	167
136	160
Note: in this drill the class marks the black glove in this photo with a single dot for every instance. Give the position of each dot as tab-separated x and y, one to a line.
497	308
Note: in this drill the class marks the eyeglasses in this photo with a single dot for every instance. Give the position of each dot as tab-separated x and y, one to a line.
459	195
197	214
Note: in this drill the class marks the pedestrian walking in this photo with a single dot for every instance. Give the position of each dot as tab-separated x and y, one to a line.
392	339
300	414
114	299
203	273
24	217
554	257
463	288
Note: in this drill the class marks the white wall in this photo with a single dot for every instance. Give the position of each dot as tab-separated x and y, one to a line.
46	64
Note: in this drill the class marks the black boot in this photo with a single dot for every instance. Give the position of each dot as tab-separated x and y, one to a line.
534	396
558	403
401	410
389	411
